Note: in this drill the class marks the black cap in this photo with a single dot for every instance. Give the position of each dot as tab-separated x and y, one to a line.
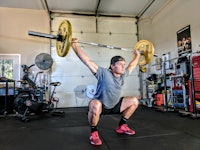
116	59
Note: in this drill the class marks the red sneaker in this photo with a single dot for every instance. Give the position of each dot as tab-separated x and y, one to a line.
94	138
125	129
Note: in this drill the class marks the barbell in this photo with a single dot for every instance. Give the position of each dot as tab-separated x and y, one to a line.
64	40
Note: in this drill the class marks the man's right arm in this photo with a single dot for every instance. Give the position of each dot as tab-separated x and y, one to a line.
83	56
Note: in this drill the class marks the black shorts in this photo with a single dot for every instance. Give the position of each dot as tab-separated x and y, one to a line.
114	110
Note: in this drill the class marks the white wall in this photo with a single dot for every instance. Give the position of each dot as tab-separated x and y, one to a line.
14	38
161	29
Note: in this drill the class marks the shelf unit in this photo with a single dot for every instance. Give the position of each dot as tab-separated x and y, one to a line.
7	94
178	96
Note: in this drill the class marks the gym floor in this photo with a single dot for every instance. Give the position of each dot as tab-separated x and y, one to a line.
155	130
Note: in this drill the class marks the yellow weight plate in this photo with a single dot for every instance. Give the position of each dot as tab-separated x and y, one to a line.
143	69
147	51
63	45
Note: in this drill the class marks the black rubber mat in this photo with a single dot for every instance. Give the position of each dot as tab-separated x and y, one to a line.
154	131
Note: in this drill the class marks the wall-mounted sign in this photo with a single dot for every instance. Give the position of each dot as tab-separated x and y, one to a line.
184	41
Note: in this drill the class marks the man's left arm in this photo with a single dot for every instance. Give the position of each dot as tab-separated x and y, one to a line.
134	62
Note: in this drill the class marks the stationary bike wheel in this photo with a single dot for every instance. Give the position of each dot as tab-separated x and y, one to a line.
20	102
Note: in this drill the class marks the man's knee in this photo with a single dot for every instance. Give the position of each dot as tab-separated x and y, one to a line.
95	106
135	101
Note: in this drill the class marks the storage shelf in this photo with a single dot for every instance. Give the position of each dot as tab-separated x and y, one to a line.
6	93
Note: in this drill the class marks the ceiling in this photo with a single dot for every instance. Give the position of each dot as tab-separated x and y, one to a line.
122	8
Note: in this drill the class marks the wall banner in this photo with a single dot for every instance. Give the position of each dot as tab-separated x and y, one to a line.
184	41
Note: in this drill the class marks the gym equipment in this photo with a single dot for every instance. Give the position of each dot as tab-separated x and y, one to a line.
43	61
64	40
30	99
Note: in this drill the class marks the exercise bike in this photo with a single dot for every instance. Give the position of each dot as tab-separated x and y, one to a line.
30	99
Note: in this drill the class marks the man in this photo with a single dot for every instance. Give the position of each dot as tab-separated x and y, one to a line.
107	99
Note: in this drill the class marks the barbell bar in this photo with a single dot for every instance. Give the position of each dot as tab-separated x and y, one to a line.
64	39
44	35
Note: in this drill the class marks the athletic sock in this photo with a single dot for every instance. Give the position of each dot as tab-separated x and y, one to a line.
122	121
93	128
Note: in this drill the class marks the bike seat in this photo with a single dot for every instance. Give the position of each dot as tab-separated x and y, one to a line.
55	84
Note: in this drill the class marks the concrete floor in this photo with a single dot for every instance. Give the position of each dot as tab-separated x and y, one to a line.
154	131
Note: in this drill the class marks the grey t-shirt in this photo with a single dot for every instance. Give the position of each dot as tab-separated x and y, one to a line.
109	87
